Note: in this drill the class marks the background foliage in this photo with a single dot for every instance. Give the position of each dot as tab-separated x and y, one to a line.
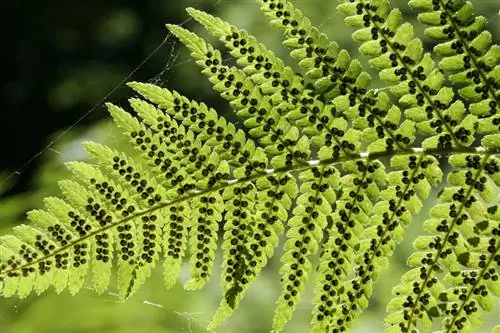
63	59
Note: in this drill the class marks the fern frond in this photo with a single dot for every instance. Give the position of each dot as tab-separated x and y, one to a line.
343	80
263	120
321	59
411	181
411	73
273	69
481	280
320	160
468	53
136	236
281	140
368	111
352	216
458	225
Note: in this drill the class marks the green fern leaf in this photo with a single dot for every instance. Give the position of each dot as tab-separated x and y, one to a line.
321	159
467	51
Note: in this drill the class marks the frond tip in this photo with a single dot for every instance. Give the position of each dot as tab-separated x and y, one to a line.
337	169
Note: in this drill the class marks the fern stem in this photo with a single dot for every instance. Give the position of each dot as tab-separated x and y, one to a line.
297	167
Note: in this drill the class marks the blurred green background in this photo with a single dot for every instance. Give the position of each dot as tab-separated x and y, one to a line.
63	61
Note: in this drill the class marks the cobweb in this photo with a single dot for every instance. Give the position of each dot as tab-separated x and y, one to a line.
168	45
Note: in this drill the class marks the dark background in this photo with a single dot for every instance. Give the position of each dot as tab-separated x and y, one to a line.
60	58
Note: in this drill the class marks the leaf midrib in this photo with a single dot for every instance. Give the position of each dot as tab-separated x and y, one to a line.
269	172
